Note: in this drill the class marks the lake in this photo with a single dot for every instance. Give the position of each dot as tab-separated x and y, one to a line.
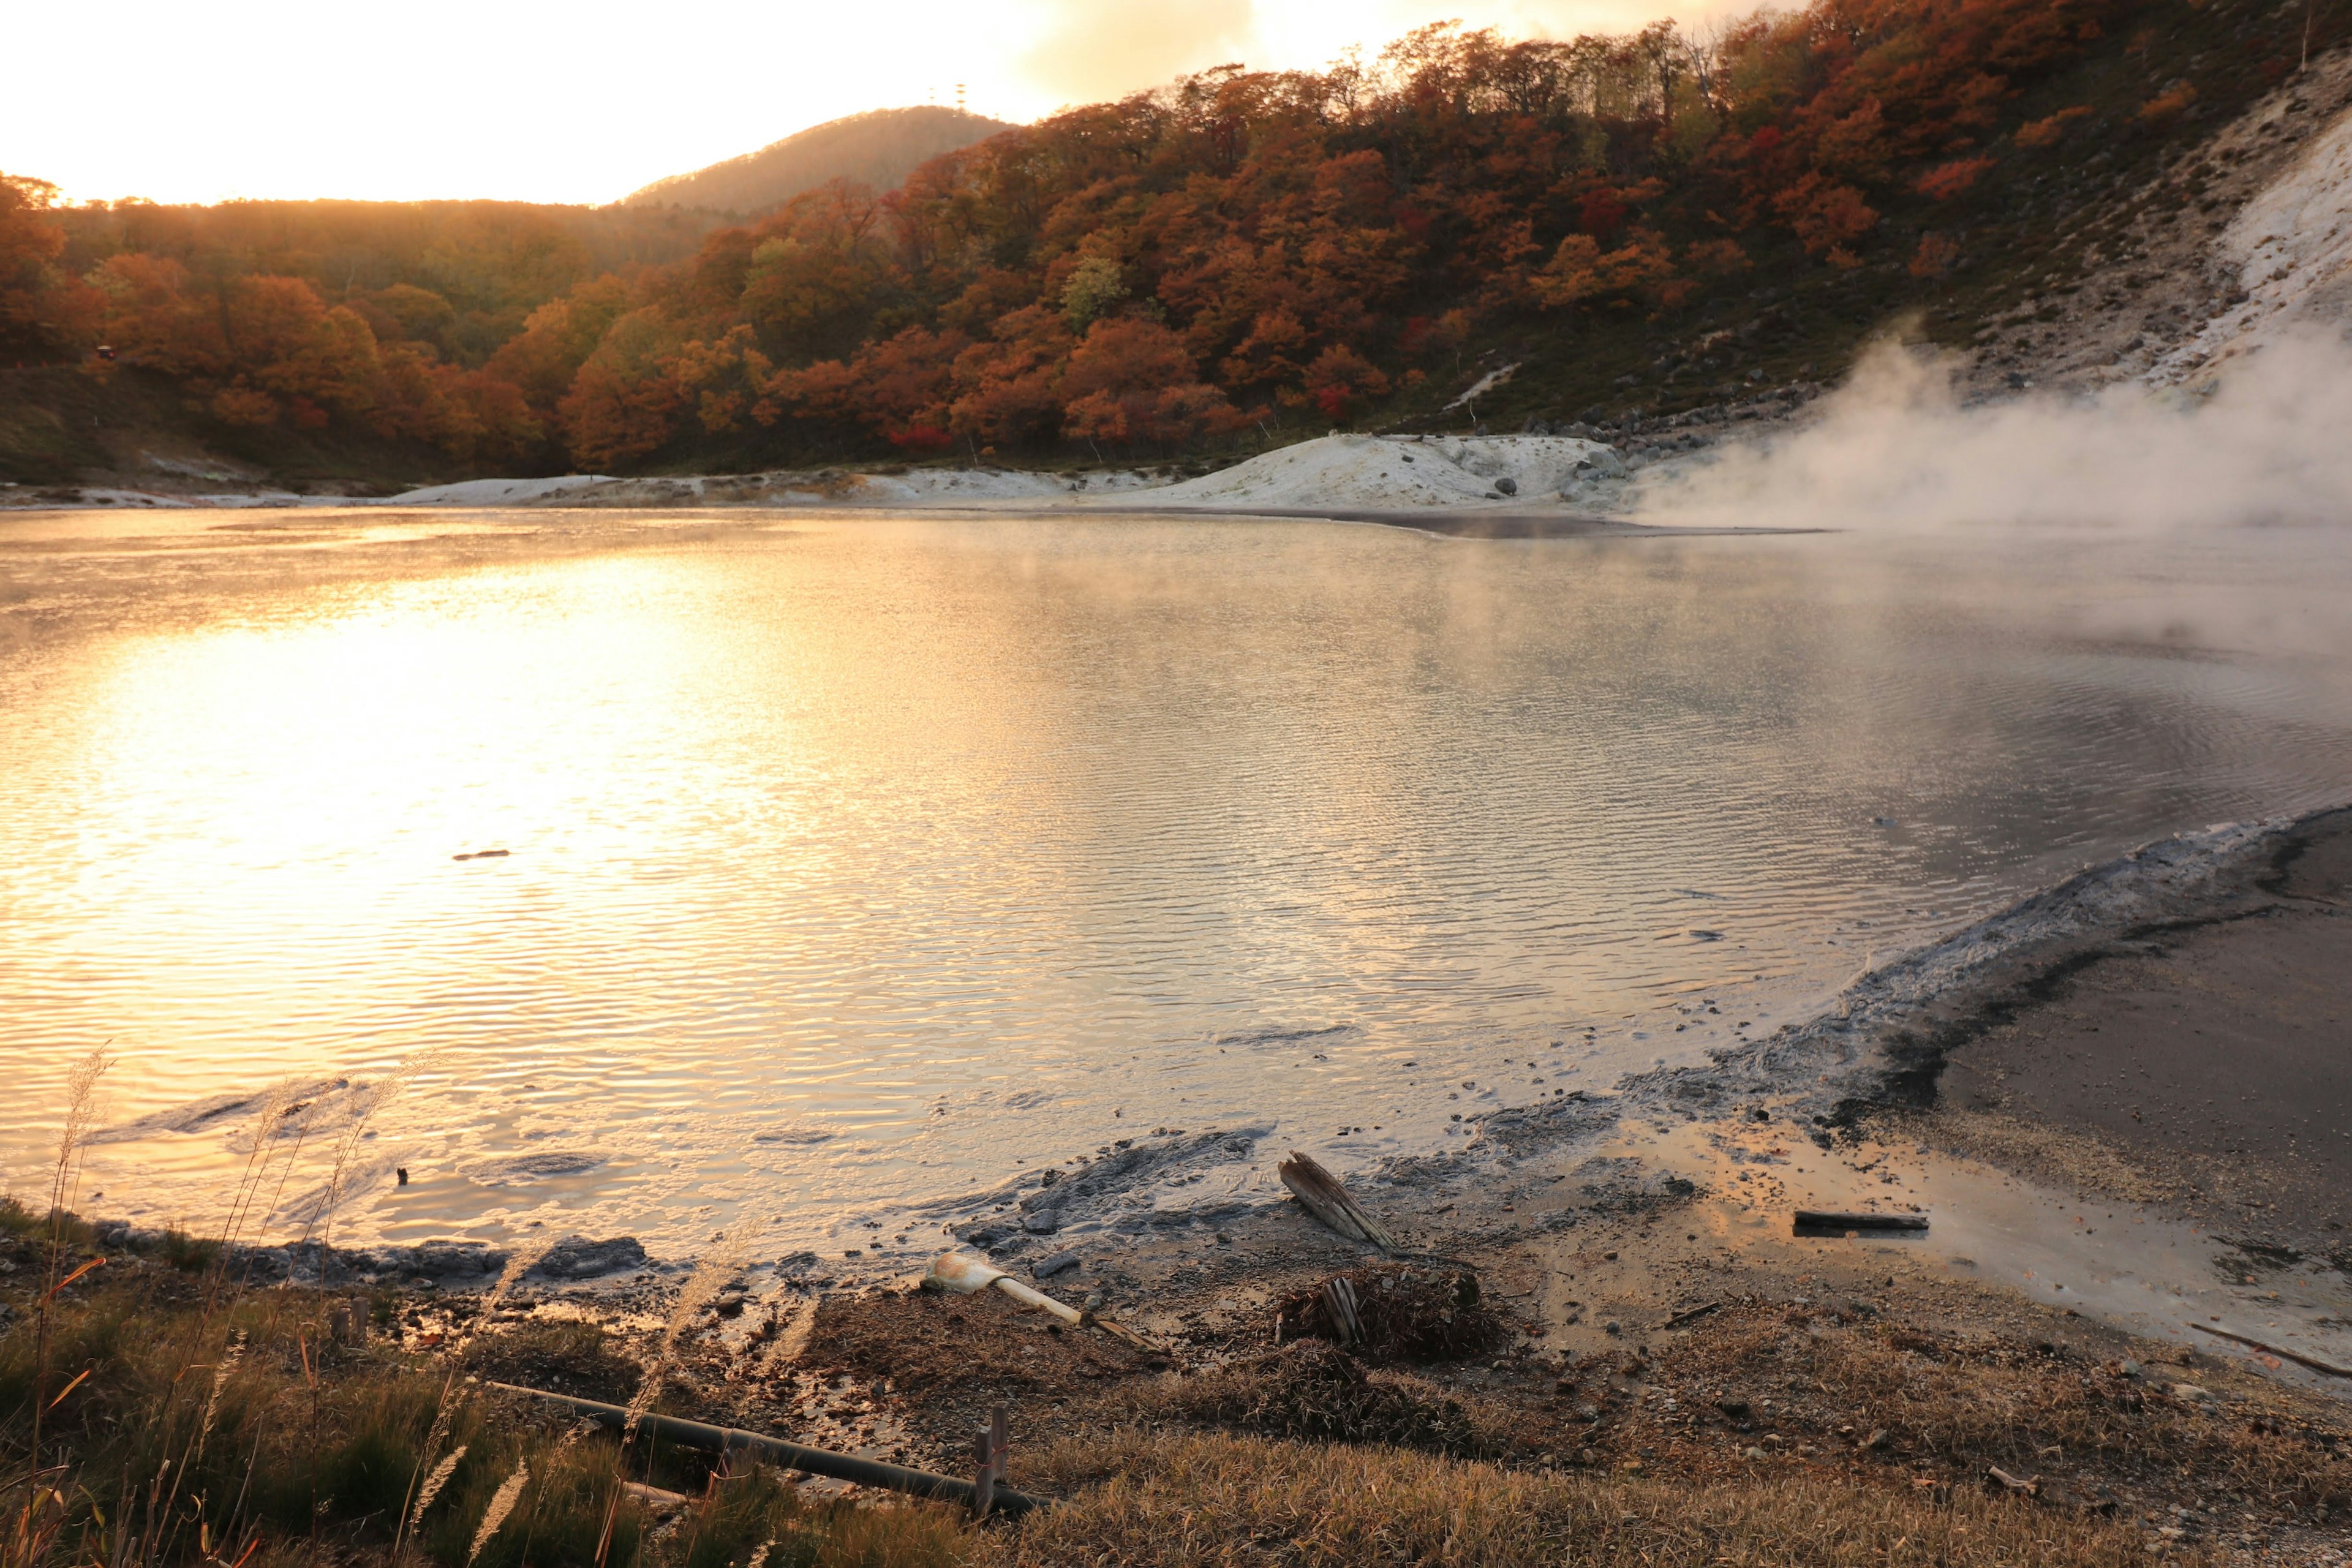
852	861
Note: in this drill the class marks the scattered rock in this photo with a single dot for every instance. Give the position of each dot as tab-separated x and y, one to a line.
578	1258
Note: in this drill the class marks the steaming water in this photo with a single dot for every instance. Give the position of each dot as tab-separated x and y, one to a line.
854	860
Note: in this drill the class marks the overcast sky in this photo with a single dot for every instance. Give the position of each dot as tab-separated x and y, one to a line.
587	101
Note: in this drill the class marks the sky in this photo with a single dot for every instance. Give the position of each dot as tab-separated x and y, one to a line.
588	101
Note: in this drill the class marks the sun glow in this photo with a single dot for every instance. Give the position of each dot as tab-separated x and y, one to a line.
264	99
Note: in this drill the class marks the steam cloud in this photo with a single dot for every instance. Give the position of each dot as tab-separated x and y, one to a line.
1895	449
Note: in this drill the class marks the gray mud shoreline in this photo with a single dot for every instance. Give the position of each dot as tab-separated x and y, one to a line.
1843	1111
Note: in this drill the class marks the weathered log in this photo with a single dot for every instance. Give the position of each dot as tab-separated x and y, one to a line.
1827	1219
960	1274
791	1456
2030	1485
1319	1193
2314	1363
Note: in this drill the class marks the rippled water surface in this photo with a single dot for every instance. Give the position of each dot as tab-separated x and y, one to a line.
852	861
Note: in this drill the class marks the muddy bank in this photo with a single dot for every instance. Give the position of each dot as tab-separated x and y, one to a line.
2207	1056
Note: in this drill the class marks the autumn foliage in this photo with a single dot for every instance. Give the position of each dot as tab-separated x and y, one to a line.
1151	274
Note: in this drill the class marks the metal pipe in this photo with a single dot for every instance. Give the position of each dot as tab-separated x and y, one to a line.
791	1456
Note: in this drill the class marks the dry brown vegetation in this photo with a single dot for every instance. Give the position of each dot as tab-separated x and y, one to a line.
1140	1498
221	1425
204	1423
1891	1400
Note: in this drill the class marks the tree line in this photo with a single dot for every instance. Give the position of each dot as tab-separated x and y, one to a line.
1148	274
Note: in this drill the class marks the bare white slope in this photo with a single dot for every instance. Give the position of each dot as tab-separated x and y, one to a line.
2291	249
1384	472
496	492
1371	472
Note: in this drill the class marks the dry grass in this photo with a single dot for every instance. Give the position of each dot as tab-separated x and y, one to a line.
1952	1405
1238	1500
215	1423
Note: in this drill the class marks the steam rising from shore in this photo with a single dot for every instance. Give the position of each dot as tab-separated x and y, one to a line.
1897	450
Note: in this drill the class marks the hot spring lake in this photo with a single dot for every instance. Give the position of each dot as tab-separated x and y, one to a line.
855	860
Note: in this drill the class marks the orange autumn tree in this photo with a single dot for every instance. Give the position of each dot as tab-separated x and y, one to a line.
1131	382
1136	273
43	309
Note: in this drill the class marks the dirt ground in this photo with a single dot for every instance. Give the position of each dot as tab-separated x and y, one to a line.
1677	1336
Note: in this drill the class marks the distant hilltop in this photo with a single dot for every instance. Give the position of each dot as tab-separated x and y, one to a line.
879	148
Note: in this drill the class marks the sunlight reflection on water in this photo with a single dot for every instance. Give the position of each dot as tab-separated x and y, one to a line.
852	860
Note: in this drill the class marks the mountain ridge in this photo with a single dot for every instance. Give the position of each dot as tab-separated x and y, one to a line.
879	148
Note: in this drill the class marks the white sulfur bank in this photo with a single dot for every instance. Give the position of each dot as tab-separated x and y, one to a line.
1394	471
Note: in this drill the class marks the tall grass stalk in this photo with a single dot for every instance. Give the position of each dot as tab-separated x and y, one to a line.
432	1485
722	1263
502	1503
519	1262
387	1089
245	1200
65	1179
228	1361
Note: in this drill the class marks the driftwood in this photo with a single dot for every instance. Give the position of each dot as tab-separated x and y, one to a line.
960	1274
1828	1219
788	1455
1319	1191
1340	1306
2030	1485
1394	1313
2314	1363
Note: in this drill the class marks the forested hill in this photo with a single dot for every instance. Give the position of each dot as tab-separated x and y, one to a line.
877	149
1633	220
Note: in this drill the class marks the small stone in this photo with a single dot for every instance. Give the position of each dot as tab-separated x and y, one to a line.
1054	1263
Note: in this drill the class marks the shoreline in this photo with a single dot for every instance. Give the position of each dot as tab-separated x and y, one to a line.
1876	1058
1654	1320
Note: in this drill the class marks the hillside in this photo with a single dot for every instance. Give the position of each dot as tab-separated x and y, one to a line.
878	149
1583	233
